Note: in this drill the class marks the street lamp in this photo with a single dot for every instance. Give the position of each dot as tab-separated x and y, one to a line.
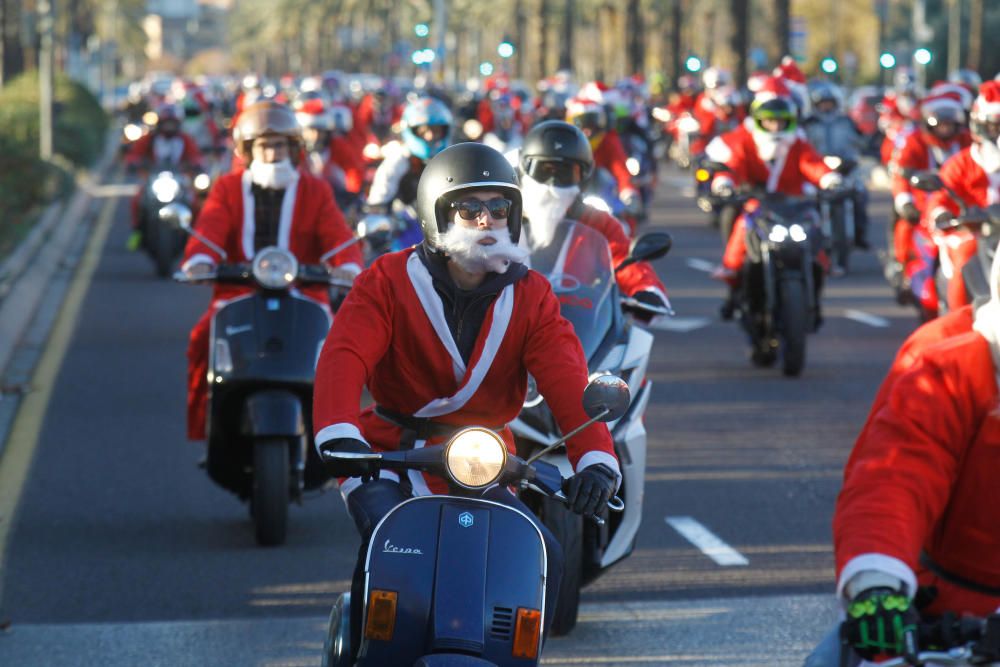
887	60
421	30
922	56
828	65
506	49
693	64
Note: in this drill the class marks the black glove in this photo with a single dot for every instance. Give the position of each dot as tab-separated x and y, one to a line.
910	212
650	299
346	468
589	490
880	621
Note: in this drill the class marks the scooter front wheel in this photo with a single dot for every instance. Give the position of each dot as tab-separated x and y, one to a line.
270	490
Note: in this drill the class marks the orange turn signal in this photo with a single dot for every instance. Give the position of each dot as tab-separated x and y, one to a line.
527	633
381	615
702	175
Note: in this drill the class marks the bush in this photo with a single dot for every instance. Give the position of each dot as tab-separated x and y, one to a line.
79	130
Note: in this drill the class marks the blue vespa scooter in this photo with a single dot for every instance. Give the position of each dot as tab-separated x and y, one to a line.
456	579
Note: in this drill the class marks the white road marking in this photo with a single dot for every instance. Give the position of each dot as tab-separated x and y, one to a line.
866	318
709	543
701	265
679	324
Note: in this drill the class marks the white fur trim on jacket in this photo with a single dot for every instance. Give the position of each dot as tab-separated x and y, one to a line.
337	431
200	258
718	150
250	221
880	563
353	267
777	166
385	182
902	199
596	456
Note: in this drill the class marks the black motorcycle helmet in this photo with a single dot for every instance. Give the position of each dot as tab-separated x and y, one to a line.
455	170
556	141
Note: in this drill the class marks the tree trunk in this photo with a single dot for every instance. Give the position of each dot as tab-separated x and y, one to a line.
543	38
635	31
520	37
974	59
783	26
740	16
566	48
676	22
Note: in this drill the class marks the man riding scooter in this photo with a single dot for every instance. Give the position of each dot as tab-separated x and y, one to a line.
444	335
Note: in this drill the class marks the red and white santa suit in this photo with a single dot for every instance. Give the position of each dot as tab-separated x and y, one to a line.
713	117
310	225
968	178
920	494
392	336
635	278
795	164
610	154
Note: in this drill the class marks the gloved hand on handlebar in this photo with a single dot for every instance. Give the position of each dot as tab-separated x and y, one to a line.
589	490
633	204
910	212
346	468
879	622
649	298
831	181
198	271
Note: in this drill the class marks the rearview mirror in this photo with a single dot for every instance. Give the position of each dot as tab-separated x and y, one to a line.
606	397
651	245
926	181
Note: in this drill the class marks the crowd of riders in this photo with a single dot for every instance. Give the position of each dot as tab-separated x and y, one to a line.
306	163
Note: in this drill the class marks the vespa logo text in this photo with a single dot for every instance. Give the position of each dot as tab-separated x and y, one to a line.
390	548
232	331
465	520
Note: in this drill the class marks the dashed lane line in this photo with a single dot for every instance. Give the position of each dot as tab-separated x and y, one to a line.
866	318
708	542
700	264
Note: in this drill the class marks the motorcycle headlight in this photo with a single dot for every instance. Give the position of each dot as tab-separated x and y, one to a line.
372	151
778	234
475	457
275	268
202	181
133	132
798	233
632	165
165	187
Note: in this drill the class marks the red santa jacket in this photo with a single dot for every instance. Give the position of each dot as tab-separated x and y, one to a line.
920	152
346	154
635	277
610	155
924	480
790	171
964	174
156	149
391	335
310	225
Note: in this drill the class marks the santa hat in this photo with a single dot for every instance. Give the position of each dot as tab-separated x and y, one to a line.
954	90
312	107
594	91
772	87
942	102
789	70
987	105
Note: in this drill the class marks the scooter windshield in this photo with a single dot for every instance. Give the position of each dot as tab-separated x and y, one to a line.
578	265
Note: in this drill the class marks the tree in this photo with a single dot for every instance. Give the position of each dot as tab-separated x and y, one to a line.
740	19
783	25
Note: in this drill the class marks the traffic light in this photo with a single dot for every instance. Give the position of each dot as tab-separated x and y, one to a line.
693	64
887	60
922	56
828	65
486	68
506	48
421	30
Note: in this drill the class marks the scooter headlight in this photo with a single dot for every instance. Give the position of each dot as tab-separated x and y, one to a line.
275	268
778	234
475	457
165	187
202	182
798	233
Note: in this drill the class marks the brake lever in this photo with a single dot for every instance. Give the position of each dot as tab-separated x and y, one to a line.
615	504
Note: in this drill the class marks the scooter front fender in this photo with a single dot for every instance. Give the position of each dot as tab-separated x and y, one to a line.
273	413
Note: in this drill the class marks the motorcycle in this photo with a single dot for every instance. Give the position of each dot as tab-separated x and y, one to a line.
722	214
950	640
836	208
687	130
162	241
456	579
262	360
589	299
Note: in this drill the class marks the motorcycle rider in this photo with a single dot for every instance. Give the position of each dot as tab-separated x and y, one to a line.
588	113
329	154
553	164
719	110
443	335
941	135
973	174
898	114
768	152
832	132
426	132
271	203
915	528
166	146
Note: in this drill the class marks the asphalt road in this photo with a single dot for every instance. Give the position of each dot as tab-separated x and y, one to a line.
122	550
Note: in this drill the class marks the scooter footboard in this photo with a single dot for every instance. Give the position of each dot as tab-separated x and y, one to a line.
430	554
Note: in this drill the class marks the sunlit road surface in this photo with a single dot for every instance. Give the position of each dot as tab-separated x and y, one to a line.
122	548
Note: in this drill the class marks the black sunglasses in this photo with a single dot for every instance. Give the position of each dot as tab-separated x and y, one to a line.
470	209
562	174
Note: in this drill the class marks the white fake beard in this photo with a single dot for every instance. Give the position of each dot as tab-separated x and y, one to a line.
545	207
989	156
462	245
274	175
770	143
